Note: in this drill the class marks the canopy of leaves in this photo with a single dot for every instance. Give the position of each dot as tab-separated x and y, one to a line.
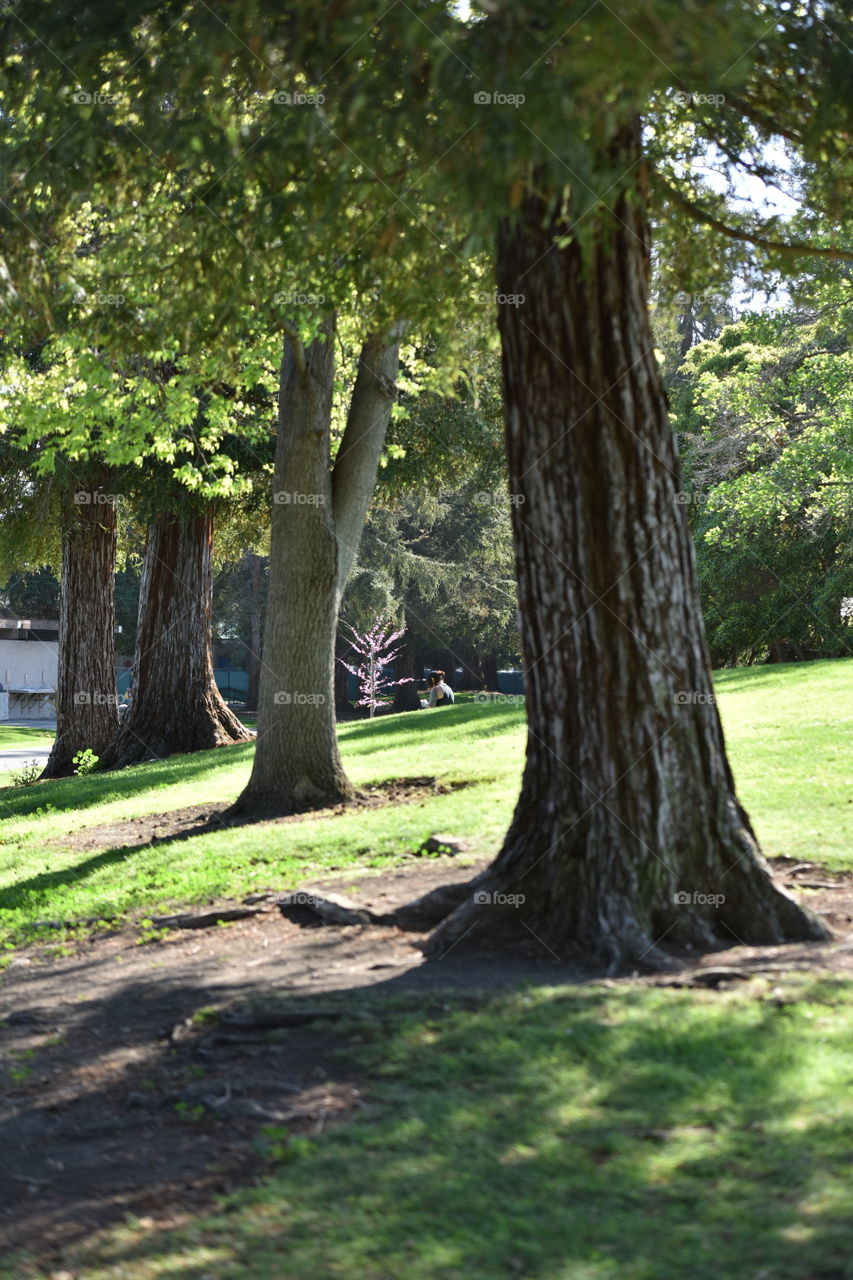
765	418
296	153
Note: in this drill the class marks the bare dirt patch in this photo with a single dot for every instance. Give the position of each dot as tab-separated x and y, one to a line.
138	1078
197	820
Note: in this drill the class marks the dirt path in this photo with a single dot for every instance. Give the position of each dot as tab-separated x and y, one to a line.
123	1091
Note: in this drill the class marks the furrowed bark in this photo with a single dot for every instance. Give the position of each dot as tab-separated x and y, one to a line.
176	705
628	838
86	702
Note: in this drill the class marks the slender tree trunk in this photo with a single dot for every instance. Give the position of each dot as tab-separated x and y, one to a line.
176	705
318	515
254	659
470	677
86	703
628	838
448	662
489	669
343	706
406	696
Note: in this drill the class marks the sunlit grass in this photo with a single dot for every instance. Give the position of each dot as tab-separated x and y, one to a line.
789	732
584	1133
478	745
790	738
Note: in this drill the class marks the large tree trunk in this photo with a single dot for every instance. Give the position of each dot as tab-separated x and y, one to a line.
176	705
628	838
86	703
318	514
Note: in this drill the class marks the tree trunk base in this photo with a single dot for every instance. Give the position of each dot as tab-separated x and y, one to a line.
600	928
150	738
59	764
258	803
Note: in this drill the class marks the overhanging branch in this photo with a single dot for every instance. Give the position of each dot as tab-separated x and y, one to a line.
795	249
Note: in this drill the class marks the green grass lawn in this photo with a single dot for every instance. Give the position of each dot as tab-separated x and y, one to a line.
585	1133
476	744
13	736
596	1132
789	731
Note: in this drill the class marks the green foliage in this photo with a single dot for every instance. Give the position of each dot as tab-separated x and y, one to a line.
85	762
193	151
437	547
28	774
33	594
443	563
80	405
765	420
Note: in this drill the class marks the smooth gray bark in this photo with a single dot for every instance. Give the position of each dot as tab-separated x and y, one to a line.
317	518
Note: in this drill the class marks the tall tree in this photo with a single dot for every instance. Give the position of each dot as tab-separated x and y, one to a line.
765	422
321	509
627	831
68	516
86	701
567	181
176	705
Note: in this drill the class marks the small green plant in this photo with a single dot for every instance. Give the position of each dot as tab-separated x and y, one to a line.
187	1112
59	952
206	1016
86	762
21	1073
28	774
274	1143
150	932
271	1142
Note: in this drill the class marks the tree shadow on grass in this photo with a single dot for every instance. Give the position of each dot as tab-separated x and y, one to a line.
481	720
572	1133
81	793
16	895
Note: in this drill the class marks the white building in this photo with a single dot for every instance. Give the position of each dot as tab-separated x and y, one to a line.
29	656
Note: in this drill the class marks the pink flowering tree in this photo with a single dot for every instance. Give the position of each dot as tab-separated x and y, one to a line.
374	652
